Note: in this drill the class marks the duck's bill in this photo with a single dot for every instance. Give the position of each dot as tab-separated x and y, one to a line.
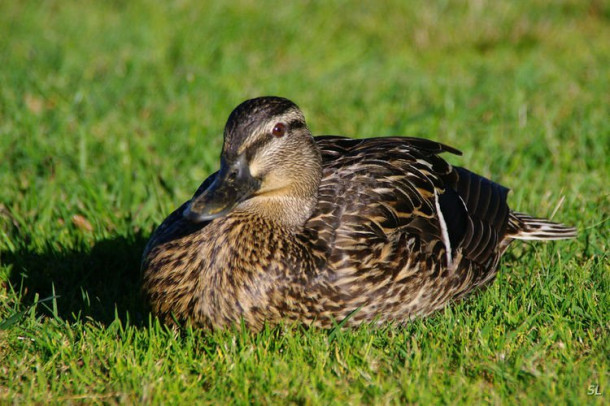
232	185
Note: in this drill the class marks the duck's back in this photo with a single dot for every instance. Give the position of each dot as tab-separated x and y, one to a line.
403	229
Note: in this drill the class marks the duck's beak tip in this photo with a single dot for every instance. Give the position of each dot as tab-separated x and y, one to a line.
231	185
197	217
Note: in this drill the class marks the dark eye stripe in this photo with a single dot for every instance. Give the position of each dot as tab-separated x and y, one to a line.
263	141
296	123
255	146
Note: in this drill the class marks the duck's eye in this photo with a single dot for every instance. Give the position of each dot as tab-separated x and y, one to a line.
279	130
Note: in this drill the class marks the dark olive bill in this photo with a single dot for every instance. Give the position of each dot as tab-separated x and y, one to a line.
233	184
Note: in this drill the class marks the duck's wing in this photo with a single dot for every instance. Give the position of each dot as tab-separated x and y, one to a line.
376	193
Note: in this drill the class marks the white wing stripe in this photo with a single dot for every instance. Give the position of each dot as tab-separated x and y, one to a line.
444	231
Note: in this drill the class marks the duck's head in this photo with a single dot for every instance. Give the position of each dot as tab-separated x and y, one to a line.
269	166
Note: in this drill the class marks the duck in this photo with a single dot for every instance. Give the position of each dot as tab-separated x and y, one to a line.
328	230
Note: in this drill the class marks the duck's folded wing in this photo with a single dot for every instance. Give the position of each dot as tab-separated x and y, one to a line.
378	192
476	213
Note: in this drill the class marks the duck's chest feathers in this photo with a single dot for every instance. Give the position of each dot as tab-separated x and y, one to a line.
235	267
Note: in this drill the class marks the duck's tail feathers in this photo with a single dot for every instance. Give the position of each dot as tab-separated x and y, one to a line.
522	226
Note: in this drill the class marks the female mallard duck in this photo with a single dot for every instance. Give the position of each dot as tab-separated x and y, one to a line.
315	229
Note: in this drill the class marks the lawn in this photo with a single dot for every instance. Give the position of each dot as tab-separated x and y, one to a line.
111	114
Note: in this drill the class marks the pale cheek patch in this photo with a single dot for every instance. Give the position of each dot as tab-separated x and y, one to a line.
255	169
263	161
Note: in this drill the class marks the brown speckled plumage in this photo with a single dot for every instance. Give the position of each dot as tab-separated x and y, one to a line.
322	227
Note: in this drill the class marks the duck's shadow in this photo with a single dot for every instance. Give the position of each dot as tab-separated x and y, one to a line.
100	283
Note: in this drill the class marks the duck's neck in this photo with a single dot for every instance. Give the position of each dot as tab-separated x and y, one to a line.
289	198
287	211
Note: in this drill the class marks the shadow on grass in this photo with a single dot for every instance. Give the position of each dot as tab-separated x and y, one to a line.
96	283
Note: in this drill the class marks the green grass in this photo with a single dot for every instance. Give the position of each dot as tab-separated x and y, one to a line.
111	114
